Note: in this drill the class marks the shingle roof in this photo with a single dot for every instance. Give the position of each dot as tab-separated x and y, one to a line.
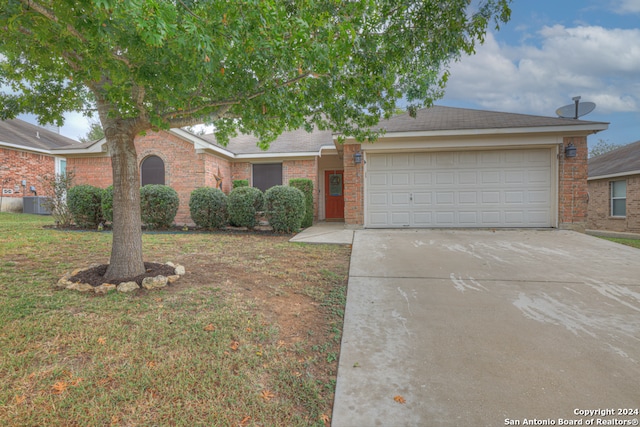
618	161
297	141
27	135
439	118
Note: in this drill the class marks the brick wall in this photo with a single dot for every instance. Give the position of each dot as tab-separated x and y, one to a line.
241	170
303	169
599	210
184	169
573	192
353	188
16	166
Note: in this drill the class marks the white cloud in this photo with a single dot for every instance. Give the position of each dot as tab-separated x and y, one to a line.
626	6
597	63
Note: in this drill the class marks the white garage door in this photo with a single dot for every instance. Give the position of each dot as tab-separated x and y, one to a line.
503	188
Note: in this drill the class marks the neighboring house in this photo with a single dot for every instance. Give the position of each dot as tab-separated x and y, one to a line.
26	158
447	167
614	190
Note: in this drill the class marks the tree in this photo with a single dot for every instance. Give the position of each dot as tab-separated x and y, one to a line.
95	132
256	66
601	147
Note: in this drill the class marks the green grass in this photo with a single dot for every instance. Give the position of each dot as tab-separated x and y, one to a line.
629	242
205	352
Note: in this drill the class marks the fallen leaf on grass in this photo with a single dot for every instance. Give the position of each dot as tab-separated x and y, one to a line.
151	364
102	341
209	327
267	395
59	387
325	419
400	400
234	345
20	399
245	420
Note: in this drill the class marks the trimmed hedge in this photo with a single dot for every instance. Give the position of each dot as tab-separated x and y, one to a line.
238	183
107	203
243	204
159	205
306	186
208	208
84	202
284	208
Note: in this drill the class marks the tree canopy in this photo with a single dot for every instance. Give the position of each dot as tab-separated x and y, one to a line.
256	66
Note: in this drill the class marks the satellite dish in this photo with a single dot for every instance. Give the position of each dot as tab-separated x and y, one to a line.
573	111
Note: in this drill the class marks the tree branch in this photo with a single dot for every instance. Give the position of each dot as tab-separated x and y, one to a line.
47	13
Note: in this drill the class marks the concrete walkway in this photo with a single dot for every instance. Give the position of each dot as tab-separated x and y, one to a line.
325	233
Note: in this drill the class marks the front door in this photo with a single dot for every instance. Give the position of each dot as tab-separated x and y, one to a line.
334	195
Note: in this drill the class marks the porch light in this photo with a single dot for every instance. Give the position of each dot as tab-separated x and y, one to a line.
570	150
357	157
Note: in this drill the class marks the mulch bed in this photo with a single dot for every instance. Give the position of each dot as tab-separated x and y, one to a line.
95	276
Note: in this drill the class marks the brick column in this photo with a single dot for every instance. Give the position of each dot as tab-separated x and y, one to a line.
573	194
353	188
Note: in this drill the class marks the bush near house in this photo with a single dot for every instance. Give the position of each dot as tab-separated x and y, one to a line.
237	183
84	202
243	204
159	205
284	208
306	186
107	203
208	208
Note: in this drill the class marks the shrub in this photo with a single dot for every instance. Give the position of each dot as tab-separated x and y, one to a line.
208	207
159	205
84	204
56	188
107	203
238	183
244	203
284	208
306	186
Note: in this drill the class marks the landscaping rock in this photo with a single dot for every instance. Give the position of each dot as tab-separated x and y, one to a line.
173	278
64	281
104	288
127	287
154	282
81	287
170	264
180	270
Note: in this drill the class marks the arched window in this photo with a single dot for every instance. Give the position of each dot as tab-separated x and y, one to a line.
152	171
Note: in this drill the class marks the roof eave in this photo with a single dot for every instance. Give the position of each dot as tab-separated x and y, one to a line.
614	175
582	129
24	148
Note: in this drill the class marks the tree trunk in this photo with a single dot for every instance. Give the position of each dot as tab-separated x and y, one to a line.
126	251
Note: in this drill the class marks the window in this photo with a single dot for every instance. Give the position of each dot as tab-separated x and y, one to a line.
267	175
618	198
152	171
61	166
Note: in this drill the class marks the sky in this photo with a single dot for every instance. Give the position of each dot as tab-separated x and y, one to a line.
549	52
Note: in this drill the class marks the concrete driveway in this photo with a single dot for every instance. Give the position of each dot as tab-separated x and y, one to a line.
482	328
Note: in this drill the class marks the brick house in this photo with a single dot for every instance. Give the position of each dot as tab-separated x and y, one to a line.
447	167
614	190
26	157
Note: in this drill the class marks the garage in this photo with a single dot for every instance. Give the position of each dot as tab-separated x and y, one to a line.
500	188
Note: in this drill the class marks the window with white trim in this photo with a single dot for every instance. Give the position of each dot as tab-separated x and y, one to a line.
618	198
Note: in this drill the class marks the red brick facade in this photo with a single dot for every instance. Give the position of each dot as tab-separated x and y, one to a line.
573	194
18	165
353	188
600	205
185	170
303	169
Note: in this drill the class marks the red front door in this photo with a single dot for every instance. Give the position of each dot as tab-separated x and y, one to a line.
334	195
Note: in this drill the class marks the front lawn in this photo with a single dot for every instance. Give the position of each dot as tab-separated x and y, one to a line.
248	337
629	242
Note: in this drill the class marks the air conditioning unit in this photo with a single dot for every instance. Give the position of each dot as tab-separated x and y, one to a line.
35	205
